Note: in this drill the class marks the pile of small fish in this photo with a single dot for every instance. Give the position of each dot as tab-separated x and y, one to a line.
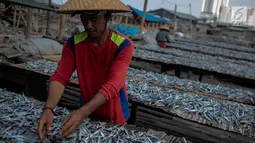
42	65
45	66
228	68
215	44
192	85
19	117
185	52
238	55
179	102
49	67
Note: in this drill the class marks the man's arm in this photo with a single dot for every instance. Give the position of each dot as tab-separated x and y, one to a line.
97	101
116	78
61	77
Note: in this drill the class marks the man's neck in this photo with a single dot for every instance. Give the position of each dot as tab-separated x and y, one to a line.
101	40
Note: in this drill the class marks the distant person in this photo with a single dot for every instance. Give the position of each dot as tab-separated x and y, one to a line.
163	36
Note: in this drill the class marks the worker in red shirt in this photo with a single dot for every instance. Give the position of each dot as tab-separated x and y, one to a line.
101	57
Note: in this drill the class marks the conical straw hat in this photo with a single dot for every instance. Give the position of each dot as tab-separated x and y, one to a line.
164	27
87	5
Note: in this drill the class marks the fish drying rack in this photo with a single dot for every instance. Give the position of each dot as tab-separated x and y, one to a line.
197	130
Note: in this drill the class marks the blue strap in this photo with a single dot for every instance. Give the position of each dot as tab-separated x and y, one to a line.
72	46
124	44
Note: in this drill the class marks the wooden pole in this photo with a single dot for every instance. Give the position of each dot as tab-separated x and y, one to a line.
175	24
14	16
20	13
48	20
62	26
126	21
175	9
58	24
143	17
29	21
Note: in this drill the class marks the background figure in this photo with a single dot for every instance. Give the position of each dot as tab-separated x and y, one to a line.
163	36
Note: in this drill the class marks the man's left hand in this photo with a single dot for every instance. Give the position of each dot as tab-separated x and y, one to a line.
72	122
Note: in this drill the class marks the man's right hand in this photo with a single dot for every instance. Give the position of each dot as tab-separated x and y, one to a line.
45	123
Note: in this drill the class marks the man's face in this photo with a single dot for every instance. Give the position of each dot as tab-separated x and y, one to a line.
94	26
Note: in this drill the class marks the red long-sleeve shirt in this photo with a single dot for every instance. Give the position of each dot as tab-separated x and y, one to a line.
100	69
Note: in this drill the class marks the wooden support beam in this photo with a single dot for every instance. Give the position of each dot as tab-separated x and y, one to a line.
126	22
133	113
58	25
175	24
14	16
48	20
200	76
120	19
178	72
143	17
6	9
35	24
20	13
62	26
29	21
23	18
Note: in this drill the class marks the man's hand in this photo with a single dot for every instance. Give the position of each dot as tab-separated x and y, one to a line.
72	122
75	119
45	123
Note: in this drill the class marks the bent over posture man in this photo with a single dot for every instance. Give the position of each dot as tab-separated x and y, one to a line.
163	36
101	58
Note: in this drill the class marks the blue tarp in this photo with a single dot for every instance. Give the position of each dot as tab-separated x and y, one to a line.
148	17
125	29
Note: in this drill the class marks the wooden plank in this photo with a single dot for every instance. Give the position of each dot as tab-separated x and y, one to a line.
168	128
146	65
161	135
188	127
149	125
69	101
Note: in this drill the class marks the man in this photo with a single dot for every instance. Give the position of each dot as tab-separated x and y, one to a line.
101	58
163	36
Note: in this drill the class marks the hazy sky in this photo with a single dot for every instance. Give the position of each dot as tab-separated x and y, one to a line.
182	5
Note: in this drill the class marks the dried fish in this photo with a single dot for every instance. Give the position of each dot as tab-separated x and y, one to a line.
215	44
192	85
230	93
45	66
228	68
194	53
178	102
238	55
19	116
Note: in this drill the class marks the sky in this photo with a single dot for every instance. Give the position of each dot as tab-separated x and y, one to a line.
182	5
